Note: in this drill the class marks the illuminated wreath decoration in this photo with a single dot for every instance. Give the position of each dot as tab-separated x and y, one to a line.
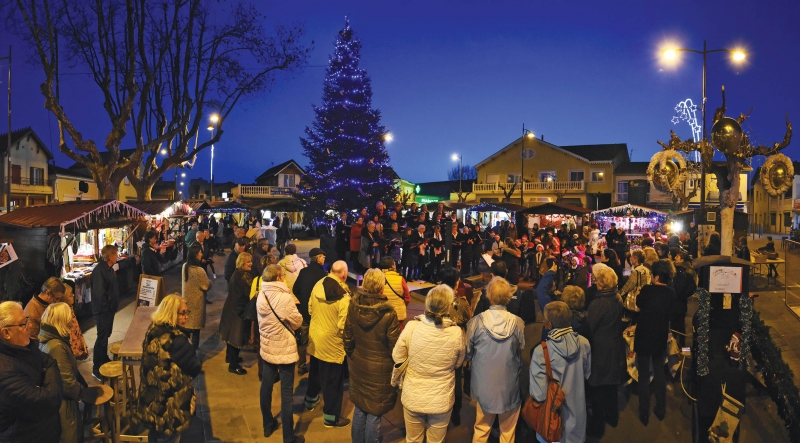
777	174
659	162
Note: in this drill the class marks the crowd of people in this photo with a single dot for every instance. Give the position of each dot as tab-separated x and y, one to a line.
305	319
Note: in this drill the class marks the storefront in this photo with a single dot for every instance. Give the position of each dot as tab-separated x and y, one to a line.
64	240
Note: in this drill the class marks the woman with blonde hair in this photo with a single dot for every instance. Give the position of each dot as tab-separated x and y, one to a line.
165	402
434	347
233	329
76	340
54	340
370	333
604	319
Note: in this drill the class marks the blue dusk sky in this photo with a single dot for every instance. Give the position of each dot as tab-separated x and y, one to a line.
463	76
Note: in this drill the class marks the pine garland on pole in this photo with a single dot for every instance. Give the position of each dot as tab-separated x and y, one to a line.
349	165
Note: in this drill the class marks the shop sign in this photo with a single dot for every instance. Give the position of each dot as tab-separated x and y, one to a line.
274	190
427	199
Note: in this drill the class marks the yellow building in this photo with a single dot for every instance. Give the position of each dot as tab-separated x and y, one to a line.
66	185
581	175
774	214
126	190
30	183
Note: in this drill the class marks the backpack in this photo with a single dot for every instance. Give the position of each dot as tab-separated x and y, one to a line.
545	417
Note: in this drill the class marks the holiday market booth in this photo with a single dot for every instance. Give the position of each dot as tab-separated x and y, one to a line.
64	240
553	215
489	214
633	219
168	219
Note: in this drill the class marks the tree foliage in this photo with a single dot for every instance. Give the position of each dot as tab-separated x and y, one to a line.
162	66
467	173
349	165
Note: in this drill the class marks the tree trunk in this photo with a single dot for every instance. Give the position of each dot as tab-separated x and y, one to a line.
144	191
107	189
728	198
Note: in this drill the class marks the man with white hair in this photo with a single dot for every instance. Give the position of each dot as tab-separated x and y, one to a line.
328	305
30	382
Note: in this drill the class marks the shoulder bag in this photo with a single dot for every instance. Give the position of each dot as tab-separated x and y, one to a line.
399	369
630	298
250	312
545	417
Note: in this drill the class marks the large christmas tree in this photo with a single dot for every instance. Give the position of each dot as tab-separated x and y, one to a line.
349	165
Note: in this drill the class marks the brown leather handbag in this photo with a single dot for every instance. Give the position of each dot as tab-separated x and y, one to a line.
545	417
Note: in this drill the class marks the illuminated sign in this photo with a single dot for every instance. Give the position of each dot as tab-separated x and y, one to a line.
427	199
687	111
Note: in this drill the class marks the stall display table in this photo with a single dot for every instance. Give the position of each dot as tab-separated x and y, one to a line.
760	263
130	351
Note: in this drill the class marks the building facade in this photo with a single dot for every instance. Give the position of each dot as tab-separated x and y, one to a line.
28	177
778	214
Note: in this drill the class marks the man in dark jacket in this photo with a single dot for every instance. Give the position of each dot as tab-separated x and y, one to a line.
239	246
284	234
105	302
306	279
684	283
30	383
342	232
544	289
151	259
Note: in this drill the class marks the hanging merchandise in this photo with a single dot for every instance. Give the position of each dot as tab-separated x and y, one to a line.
631	218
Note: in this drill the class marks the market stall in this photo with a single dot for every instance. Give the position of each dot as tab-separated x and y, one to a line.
489	214
553	215
168	220
64	239
633	219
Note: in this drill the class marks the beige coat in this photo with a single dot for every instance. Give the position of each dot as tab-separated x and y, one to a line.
194	292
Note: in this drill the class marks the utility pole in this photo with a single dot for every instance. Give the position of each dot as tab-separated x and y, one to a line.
8	143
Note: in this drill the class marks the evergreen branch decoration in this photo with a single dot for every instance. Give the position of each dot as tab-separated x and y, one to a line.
703	310
778	377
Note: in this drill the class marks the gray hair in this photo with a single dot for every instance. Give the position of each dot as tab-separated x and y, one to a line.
373	281
7	309
272	273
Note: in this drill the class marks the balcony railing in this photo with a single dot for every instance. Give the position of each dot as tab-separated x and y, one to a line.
531	186
267	191
28	181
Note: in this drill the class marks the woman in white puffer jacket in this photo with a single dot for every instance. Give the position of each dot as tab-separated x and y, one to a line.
292	264
436	350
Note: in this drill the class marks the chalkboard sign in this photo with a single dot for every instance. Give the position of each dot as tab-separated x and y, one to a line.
150	291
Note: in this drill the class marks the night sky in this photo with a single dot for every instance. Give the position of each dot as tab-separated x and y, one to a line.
463	76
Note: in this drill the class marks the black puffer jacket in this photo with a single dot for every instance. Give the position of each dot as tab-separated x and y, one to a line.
169	364
30	395
370	333
306	279
105	289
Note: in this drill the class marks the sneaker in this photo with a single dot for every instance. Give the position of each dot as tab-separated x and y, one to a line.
310	405
96	374
340	423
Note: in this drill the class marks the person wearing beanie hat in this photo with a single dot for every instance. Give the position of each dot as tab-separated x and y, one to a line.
306	279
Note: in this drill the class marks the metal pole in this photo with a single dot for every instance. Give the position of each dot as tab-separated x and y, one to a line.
522	169
702	166
460	170
8	145
211	192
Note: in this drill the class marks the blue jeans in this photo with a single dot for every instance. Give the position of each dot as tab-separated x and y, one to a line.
155	437
270	372
366	427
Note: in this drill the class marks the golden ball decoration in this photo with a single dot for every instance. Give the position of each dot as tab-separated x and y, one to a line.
777	174
726	135
667	170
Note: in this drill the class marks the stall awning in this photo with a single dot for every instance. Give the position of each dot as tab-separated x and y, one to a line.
74	214
223	207
153	207
628	210
495	207
556	208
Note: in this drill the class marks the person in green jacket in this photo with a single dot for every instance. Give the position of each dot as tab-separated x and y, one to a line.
54	341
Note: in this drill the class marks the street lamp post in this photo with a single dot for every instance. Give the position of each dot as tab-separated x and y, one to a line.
212	127
737	55
530	134
460	170
8	145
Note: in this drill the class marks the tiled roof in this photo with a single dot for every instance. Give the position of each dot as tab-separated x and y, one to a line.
595	153
271	172
19	134
632	168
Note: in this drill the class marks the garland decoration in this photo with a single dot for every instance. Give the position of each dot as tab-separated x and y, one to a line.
745	316
777	174
778	377
657	171
703	310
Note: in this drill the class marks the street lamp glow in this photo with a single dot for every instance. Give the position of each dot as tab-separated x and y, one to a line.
454	157
669	54
210	127
739	55
388	137
183	174
181	183
214	118
163	152
530	134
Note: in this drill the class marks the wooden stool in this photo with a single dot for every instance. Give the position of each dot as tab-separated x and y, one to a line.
112	371
98	424
114	349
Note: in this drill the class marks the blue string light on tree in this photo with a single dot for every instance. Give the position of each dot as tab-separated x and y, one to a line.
345	142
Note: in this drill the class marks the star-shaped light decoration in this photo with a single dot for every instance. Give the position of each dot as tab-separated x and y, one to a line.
675	120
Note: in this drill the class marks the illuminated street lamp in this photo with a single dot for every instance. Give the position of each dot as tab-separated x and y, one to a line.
737	55
388	137
212	127
460	169
529	134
